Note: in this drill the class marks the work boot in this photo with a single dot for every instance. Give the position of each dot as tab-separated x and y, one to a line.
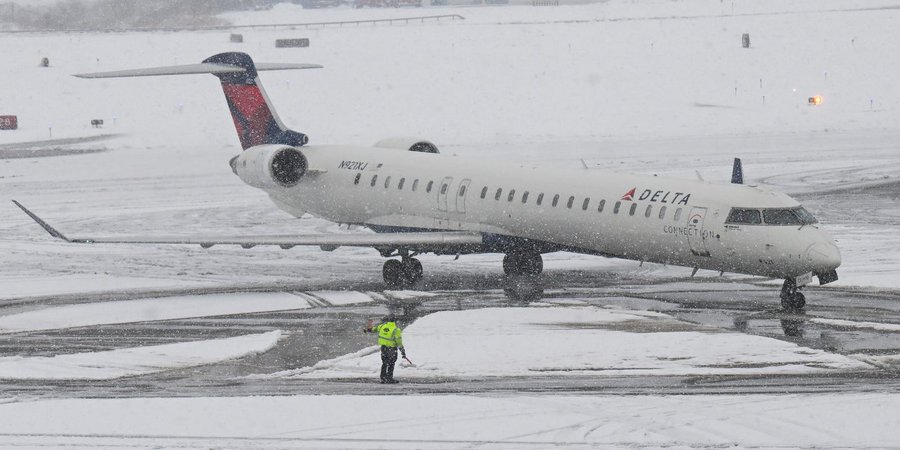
391	381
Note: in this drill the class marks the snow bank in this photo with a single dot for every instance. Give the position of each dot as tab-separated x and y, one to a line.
22	286
135	361
181	307
561	341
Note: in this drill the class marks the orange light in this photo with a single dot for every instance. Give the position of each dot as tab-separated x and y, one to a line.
815	100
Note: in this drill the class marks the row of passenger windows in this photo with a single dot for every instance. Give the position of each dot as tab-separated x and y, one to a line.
511	195
400	184
585	203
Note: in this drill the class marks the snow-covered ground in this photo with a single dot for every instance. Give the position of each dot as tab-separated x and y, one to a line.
655	86
134	361
563	341
445	422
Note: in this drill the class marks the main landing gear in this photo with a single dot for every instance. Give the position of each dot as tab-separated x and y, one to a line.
791	297
403	273
523	263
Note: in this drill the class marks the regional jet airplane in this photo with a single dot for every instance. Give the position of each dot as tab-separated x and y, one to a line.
417	200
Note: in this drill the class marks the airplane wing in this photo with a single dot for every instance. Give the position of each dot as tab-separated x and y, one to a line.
189	69
414	239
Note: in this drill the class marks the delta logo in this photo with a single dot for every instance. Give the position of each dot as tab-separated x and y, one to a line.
678	198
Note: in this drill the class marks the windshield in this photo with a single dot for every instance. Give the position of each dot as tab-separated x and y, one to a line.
770	216
744	216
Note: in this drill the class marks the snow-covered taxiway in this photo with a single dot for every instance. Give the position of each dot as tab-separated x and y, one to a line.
236	347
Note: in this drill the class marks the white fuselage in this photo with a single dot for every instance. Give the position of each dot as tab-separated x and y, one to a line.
665	220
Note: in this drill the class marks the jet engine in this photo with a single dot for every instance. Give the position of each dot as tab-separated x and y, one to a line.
408	144
270	166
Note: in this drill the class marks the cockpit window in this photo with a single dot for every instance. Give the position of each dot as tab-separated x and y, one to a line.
744	216
804	215
771	216
788	216
781	217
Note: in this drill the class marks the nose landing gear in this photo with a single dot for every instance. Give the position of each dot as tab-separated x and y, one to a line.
523	263
791	297
403	273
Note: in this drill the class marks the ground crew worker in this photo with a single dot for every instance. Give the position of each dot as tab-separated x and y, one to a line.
390	338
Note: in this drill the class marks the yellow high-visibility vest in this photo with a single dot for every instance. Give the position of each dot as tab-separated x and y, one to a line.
389	334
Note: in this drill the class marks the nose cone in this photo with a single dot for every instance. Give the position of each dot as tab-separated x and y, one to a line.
233	163
824	256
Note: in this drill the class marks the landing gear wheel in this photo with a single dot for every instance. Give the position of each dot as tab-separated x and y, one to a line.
794	302
523	263
392	271
509	265
412	270
791	297
403	273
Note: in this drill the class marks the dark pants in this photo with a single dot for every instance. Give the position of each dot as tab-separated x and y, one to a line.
388	358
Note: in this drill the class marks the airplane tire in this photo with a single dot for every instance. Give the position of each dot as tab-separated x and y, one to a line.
531	264
793	302
392	271
523	263
412	270
509	265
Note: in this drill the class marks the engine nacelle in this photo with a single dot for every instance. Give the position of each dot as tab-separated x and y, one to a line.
408	144
270	166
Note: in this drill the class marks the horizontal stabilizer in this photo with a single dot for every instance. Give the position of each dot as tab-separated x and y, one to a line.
190	69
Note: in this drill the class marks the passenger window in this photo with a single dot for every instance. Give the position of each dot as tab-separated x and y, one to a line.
555	200
602	204
540	199
498	194
648	211
744	216
662	213
387	182
616	207
677	214
444	188
415	184
525	197
358	176
512	194
484	192
400	184
571	200
374	179
584	204
428	187
633	208
462	190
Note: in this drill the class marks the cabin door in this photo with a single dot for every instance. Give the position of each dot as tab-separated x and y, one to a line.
443	189
461	194
695	232
442	218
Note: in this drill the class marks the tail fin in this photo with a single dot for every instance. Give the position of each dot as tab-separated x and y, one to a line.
254	117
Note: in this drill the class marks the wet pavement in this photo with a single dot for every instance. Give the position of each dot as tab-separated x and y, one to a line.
319	333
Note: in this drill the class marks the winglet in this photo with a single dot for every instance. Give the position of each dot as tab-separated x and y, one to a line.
53	231
737	172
